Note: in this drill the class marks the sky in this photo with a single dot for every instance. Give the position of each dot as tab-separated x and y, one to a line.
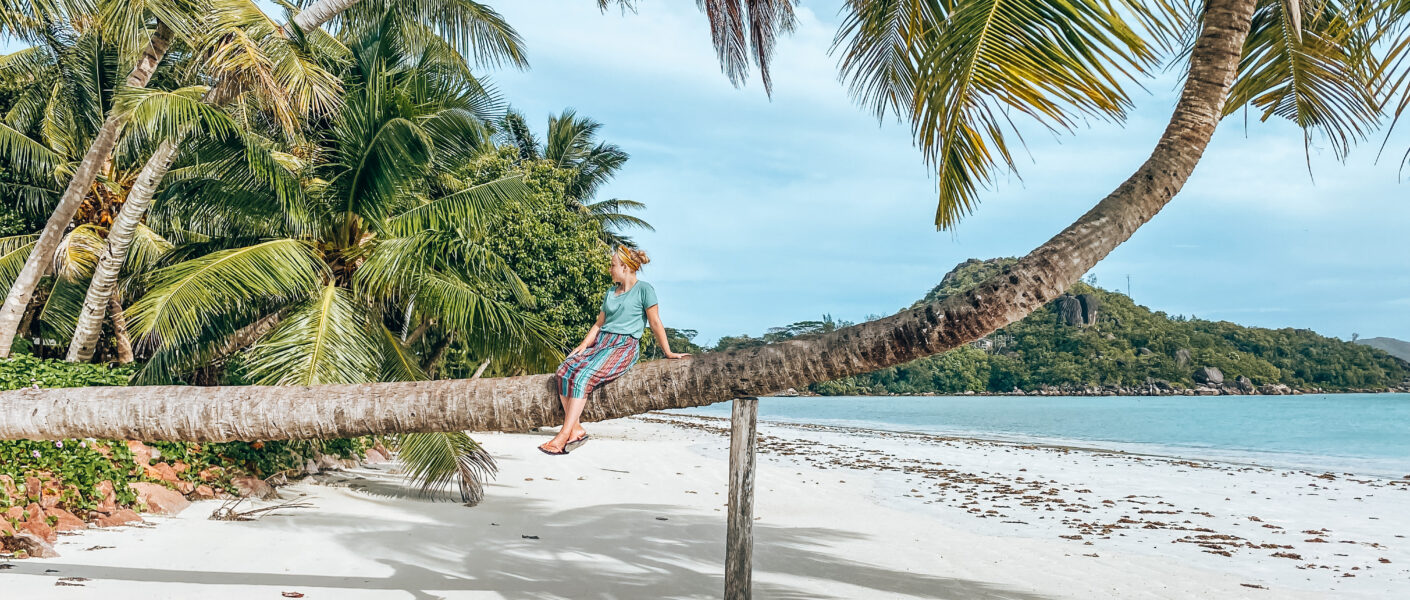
774	210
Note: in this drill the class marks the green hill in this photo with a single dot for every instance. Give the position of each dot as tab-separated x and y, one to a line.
1095	340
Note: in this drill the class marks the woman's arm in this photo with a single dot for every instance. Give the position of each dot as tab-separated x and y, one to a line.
653	316
591	336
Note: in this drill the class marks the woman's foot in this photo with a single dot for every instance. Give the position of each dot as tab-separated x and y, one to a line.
579	434
554	447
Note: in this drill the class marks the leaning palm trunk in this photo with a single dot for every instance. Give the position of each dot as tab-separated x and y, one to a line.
37	265
517	403
134	209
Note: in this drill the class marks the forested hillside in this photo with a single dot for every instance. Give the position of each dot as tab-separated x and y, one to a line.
1094	340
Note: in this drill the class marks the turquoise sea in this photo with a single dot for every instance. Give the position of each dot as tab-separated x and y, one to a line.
1366	434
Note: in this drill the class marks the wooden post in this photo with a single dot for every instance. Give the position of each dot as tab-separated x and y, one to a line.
739	540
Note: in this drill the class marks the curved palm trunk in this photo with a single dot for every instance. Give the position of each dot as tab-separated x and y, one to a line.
38	263
90	320
124	341
516	403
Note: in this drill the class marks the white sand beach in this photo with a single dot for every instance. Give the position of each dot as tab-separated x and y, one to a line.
638	512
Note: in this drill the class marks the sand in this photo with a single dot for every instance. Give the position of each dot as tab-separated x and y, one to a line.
638	513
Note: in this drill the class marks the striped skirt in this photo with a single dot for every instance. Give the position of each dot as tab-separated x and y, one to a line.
605	360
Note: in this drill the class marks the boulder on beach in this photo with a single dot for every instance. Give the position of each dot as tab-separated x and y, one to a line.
1245	385
1209	375
159	499
253	487
33	546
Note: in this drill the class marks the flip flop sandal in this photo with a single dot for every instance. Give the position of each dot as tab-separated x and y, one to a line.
552	453
574	444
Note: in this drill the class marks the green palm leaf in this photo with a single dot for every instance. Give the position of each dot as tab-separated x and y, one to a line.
958	70
14	251
160	114
436	459
325	340
186	297
1310	70
472	205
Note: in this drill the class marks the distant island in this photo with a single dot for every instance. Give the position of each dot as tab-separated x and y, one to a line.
1093	341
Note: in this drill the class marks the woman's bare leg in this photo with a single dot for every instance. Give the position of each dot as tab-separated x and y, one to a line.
573	410
576	431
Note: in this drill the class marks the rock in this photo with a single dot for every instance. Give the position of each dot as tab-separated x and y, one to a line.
163	472
159	499
1182	357
328	462
5	528
123	516
140	452
66	521
1209	375
203	492
1090	304
33	546
210	474
36	524
185	487
374	457
252	487
15	513
1206	391
1245	385
788	393
1143	351
180	467
33	488
108	505
1069	309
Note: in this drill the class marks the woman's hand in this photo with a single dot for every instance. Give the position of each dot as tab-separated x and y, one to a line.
574	352
674	355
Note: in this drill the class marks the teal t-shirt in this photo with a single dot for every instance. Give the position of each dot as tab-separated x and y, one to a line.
626	314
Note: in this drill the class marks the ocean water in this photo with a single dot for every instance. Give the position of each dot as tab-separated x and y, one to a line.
1366	434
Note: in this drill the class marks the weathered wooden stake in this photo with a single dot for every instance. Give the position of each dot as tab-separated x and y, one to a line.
739	540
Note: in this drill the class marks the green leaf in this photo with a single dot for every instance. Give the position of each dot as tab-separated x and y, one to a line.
326	340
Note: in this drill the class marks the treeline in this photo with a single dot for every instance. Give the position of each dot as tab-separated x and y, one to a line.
1122	344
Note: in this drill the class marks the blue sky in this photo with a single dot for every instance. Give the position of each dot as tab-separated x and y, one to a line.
770	211
774	211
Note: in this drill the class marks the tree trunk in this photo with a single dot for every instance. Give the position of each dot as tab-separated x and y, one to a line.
519	403
105	275
40	259
124	341
139	198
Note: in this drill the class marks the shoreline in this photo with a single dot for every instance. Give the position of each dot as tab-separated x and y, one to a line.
638	512
1078	393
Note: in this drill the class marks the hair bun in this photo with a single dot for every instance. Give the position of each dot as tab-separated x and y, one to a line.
639	256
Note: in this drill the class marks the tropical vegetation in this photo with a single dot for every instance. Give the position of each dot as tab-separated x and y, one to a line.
961	73
1125	346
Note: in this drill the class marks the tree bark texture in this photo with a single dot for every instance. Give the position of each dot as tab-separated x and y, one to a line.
40	258
139	198
519	403
119	241
124	341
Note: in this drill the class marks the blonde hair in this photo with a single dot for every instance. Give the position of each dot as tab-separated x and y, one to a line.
633	258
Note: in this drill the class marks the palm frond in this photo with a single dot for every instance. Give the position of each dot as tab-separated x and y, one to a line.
958	71
745	31
1306	67
398	362
29	158
325	340
161	114
472	205
14	251
436	459
184	298
78	253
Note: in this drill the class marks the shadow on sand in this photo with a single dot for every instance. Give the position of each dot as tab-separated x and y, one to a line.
600	551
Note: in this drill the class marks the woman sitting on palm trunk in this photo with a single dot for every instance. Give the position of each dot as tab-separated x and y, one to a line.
610	347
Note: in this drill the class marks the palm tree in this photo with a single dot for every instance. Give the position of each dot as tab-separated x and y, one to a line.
332	259
256	55
42	141
572	144
1068	58
126	23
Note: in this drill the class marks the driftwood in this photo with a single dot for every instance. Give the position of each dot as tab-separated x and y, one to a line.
228	512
